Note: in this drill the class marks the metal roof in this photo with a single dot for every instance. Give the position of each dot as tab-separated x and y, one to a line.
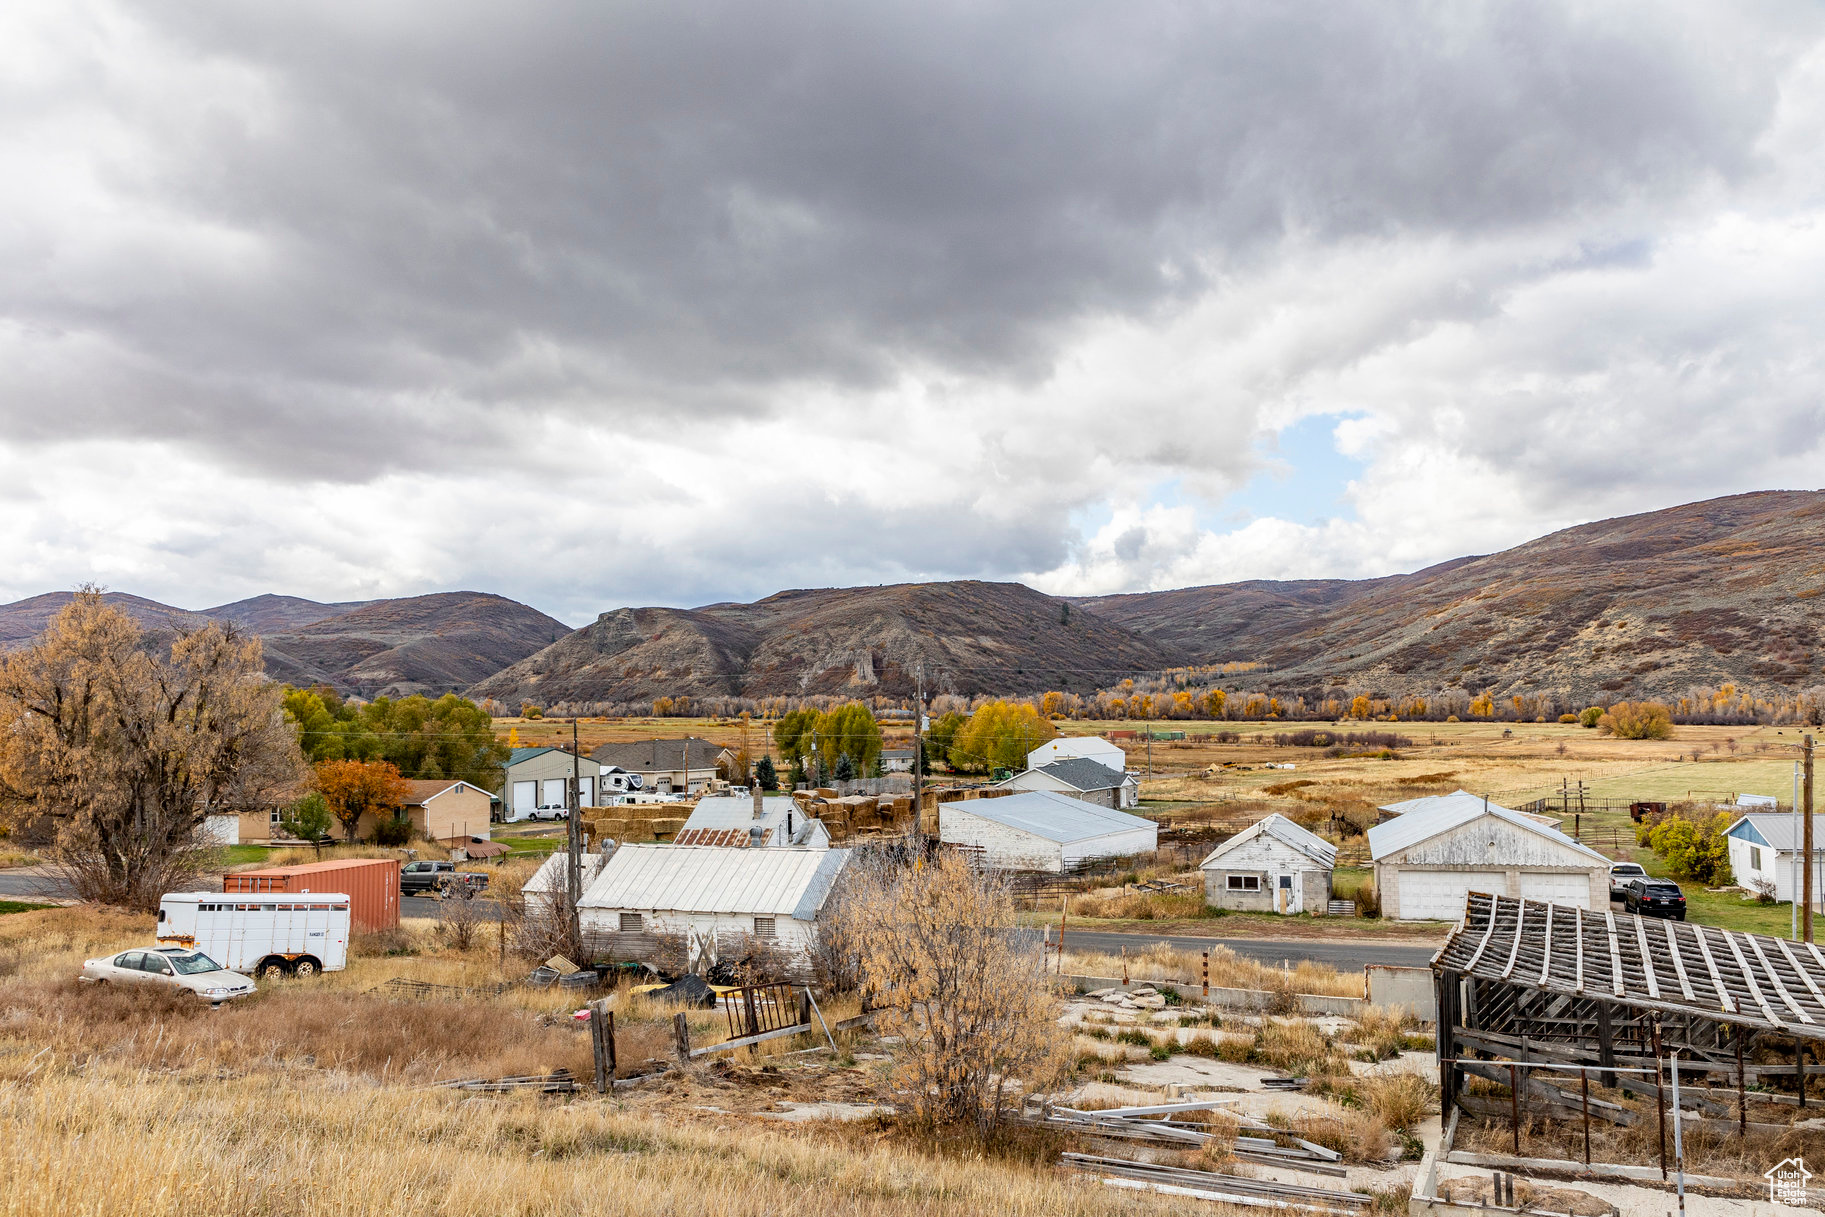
727	820
525	754
1285	831
1082	773
708	879
659	755
1048	814
1649	963
1422	819
1780	829
550	875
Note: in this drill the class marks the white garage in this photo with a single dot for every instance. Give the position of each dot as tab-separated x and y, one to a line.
1042	831
1436	851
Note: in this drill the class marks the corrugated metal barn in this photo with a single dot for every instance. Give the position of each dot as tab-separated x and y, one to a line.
1042	831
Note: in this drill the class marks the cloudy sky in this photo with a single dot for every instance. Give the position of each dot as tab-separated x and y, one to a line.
594	304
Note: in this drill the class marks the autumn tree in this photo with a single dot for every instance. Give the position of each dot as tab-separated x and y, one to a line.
1637	720
450	737
938	952
792	734
357	788
116	745
847	731
999	735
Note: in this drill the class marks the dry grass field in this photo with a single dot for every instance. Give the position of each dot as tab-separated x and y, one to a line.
311	1098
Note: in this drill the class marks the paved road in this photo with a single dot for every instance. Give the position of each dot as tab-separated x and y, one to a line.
26	885
1344	954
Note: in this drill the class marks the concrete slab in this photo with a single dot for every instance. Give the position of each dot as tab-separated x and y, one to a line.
799	1113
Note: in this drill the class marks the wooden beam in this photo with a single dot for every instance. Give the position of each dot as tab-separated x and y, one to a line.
747	1040
1546	952
1578	935
1609	921
1800	971
1717	978
1780	986
1520	927
1487	935
1679	963
1755	990
1647	958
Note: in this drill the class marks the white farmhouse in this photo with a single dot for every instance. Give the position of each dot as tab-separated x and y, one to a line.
705	892
1440	849
1272	866
1765	848
1043	831
1087	747
1090	781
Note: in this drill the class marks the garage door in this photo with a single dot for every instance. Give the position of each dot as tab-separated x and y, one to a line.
1439	895
525	797
1569	889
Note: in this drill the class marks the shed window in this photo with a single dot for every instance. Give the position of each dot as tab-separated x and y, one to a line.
763	927
1245	883
1755	857
632	923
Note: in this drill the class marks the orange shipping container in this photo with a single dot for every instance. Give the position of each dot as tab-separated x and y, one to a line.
371	884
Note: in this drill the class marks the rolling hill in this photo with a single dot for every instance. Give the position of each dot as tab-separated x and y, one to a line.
1728	590
431	644
969	637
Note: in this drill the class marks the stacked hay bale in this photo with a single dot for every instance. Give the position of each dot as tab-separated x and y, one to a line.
636	822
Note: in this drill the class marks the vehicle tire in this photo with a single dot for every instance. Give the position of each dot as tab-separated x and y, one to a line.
273	968
305	968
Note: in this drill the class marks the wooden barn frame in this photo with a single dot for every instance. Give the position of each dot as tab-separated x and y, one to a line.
1575	993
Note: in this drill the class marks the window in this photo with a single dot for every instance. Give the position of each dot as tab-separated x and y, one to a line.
161	912
1245	883
129	960
1755	857
763	927
156	964
632	923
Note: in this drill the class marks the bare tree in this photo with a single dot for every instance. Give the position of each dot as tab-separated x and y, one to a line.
965	990
117	747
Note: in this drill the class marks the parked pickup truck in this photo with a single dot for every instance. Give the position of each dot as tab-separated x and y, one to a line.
424	878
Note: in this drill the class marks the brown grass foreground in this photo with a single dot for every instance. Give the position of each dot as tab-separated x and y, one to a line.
116	1142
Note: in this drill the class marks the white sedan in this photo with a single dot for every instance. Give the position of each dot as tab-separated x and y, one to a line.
172	967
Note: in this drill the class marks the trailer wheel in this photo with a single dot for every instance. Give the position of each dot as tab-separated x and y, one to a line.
305	968
273	968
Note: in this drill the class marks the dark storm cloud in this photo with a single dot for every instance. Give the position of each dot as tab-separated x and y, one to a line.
443	212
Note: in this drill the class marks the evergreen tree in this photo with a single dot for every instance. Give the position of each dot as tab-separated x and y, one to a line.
766	775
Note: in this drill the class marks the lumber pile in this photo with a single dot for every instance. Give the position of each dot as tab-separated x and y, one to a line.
1234	1189
1256	1142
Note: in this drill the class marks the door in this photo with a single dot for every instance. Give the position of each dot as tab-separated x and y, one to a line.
1438	895
586	792
1571	889
525	799
553	793
1283	895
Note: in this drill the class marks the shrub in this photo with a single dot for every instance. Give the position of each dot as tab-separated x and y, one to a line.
1203	1045
396	830
1590	716
1696	850
1637	720
1568	718
1160	1052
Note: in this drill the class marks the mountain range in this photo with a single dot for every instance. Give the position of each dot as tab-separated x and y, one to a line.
1729	590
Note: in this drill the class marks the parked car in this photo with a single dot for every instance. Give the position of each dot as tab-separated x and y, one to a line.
1620	874
1655	898
426	877
171	967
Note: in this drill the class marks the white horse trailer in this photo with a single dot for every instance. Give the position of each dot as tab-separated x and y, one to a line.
267	934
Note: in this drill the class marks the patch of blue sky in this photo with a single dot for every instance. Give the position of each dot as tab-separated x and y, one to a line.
1305	478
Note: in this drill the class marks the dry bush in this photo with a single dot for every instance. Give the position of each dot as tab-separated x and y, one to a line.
1399	1100
298	855
1139	906
1382	1031
1227	970
963	989
464	917
1297	1047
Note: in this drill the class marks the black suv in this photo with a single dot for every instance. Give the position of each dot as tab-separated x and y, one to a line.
1654	898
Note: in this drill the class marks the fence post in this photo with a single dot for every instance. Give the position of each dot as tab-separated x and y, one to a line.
804	1007
681	1032
747	1002
608	1037
1207	975
598	1049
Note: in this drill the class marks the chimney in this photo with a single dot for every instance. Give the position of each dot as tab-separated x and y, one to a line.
759	805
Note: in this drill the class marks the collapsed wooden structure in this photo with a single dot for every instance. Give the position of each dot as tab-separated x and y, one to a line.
1573	993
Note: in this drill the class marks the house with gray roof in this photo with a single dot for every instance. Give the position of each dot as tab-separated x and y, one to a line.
1765	849
675	766
1041	830
1079	778
1272	866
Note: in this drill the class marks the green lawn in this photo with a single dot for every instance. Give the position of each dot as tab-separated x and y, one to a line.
1726	910
242	855
21	906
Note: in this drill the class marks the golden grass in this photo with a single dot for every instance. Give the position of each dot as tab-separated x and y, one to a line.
1227	970
10	858
197	1145
298	855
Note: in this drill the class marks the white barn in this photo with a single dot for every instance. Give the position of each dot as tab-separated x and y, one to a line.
1087	747
1440	849
705	891
1092	781
1272	866
1043	831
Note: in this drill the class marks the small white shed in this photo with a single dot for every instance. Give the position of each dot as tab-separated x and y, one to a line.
1438	850
1272	866
706	891
1042	831
1087	747
1765	848
546	882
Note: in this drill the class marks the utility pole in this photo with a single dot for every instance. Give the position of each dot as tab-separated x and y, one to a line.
574	873
919	752
1806	829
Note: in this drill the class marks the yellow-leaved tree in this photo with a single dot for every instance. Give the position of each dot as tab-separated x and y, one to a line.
999	735
1637	720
